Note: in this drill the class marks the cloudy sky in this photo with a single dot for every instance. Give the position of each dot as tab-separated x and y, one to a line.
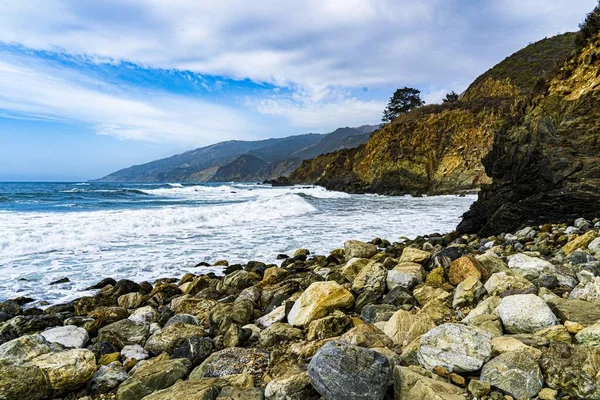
87	87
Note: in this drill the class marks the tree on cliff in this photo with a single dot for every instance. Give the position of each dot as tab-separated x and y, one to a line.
451	97
401	102
590	27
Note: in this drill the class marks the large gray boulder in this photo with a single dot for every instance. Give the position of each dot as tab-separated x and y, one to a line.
68	336
525	313
457	347
340	371
516	373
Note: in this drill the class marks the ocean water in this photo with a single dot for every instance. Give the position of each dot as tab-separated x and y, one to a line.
89	231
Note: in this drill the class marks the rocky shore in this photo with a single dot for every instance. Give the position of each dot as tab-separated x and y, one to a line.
512	316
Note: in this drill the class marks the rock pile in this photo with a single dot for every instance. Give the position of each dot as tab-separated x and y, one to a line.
513	316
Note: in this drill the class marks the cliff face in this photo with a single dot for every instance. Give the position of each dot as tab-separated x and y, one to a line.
545	161
438	149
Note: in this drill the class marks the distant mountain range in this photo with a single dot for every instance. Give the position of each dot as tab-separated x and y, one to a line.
243	160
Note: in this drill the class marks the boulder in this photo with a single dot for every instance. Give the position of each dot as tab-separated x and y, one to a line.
358	249
580	311
233	361
279	333
372	313
486	306
515	373
144	315
353	267
295	387
103	316
367	335
464	267
580	242
414	255
328	327
525	313
131	300
506	344
456	347
224	314
202	389
318	300
589	336
340	371
468	292
152	376
406	275
67	336
196	349
372	276
235	393
403	327
133	352
124	332
426	293
588	291
107	379
527	266
26	348
555	333
505	282
26	324
416	383
171	337
574	370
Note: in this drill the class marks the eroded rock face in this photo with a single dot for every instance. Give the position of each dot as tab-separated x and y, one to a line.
340	371
516	373
455	347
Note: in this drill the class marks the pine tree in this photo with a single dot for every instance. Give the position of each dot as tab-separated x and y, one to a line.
401	102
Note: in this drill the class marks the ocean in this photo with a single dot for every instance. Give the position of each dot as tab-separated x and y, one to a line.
89	231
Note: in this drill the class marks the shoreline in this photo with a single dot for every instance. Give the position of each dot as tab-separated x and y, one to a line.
449	312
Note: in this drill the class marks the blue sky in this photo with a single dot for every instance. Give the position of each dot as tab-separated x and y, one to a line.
88	87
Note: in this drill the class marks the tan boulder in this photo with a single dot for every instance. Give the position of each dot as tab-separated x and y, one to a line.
465	267
403	327
317	301
414	255
580	242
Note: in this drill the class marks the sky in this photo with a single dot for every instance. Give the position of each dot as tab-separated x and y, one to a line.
88	87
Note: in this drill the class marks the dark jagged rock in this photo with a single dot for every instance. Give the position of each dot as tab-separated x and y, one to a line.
280	181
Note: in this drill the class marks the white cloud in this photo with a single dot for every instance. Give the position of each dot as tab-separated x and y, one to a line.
318	48
33	89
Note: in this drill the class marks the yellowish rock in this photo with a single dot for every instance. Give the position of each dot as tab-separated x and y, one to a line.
318	300
108	358
557	333
505	344
426	293
411	254
547	394
464	267
573	327
579	242
403	327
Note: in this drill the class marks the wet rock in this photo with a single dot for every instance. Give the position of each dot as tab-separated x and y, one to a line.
515	373
107	379
358	249
104	282
59	281
318	300
525	313
574	370
340	371
67	336
295	387
195	349
124	332
237	281
233	361
279	333
456	347
11	308
404	327
103	316
131	300
122	287
417	383
171	337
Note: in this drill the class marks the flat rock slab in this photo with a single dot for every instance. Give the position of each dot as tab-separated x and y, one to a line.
69	336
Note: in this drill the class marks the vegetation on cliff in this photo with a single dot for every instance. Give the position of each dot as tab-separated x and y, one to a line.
545	162
438	148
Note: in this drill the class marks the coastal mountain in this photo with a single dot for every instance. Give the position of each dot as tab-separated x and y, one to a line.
438	149
230	161
545	160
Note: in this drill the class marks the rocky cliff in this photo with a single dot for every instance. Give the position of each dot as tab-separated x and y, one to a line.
438	149
545	160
